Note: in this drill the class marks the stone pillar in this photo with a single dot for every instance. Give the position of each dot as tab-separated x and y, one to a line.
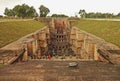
36	43
47	30
95	52
39	54
84	44
91	51
76	34
34	48
78	50
30	49
83	37
25	55
79	46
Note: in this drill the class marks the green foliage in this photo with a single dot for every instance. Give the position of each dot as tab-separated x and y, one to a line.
21	11
32	12
24	11
13	30
117	16
82	13
108	30
1	16
59	15
9	12
99	15
43	11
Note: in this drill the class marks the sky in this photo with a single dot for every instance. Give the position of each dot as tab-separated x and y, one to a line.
68	7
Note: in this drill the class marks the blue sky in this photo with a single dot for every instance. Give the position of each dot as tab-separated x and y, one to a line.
68	7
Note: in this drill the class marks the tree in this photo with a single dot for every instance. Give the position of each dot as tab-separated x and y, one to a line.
43	11
31	12
6	11
54	15
59	15
21	10
1	16
99	15
90	15
9	12
82	13
24	11
118	14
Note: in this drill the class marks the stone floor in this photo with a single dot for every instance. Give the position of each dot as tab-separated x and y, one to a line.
40	70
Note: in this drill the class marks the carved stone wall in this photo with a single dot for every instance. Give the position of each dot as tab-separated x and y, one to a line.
59	37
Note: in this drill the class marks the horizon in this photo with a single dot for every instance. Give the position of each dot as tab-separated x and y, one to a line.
70	8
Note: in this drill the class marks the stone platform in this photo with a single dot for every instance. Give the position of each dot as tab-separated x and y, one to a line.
47	70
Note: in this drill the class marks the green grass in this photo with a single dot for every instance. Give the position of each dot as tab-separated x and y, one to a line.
108	30
13	30
8	20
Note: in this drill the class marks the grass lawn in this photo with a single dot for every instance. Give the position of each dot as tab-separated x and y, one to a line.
9	20
108	30
13	30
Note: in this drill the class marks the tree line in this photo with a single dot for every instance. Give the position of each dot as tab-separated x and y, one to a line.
25	11
84	14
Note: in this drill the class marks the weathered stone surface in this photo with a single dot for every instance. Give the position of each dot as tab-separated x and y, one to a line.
39	70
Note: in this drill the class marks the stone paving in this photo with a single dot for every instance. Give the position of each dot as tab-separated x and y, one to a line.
48	70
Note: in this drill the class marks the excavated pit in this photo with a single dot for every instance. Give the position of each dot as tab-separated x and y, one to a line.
49	52
59	40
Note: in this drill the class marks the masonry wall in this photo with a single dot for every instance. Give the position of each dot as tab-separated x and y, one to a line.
82	45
